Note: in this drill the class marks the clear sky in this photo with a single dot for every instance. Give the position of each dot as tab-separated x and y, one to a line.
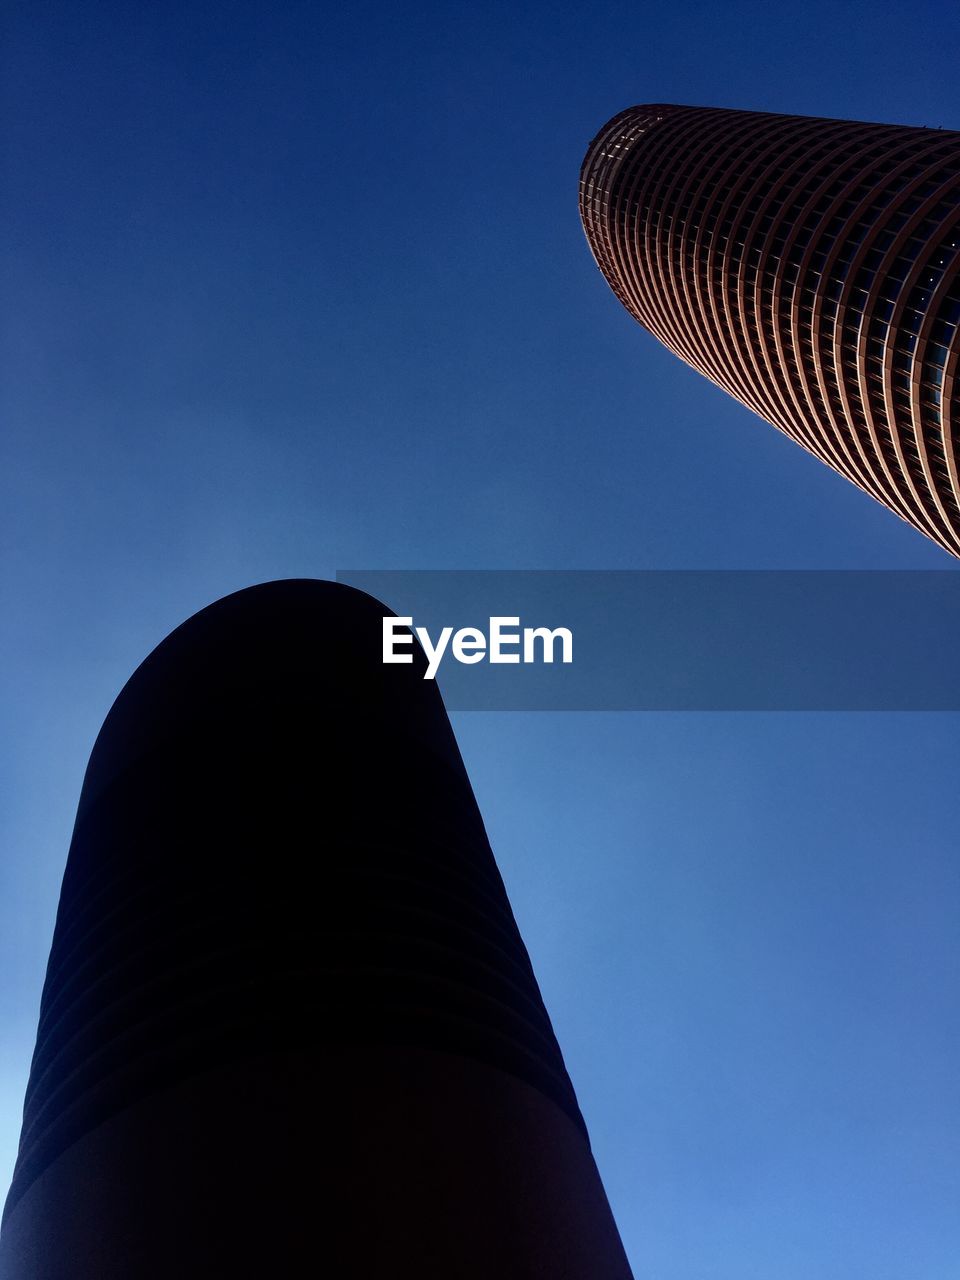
288	289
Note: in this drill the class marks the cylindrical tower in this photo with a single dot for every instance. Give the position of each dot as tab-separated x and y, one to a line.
808	267
289	1027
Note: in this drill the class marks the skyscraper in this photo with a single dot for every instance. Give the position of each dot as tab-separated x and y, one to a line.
289	1026
808	267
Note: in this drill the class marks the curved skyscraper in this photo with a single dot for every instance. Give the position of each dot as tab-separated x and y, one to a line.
289	1026
808	267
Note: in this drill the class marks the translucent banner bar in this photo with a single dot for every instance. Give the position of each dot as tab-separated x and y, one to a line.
665	640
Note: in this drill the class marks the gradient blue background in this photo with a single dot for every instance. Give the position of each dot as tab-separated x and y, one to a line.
287	290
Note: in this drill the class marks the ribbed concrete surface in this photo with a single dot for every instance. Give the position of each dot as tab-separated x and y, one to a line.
810	268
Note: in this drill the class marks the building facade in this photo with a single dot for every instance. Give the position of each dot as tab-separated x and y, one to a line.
810	268
289	1025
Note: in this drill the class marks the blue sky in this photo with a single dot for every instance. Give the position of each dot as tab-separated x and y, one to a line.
290	290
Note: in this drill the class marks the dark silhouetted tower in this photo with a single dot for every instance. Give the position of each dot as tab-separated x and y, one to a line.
289	1027
808	267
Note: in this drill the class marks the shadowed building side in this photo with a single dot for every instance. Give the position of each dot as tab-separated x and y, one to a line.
810	268
289	1025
